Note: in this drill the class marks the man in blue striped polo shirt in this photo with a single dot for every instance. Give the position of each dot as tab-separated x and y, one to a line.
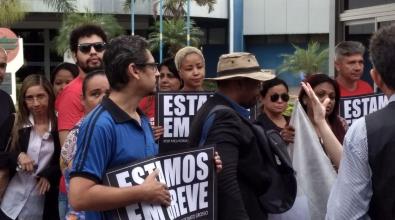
117	133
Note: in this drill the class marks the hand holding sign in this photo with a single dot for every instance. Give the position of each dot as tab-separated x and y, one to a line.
155	191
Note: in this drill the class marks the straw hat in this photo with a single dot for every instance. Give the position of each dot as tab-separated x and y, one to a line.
242	64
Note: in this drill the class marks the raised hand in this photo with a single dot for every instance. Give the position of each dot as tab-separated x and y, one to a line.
319	109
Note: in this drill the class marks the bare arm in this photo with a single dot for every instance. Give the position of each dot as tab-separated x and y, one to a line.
62	136
332	146
86	194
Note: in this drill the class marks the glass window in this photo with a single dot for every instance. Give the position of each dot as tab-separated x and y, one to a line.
30	35
353	4
217	36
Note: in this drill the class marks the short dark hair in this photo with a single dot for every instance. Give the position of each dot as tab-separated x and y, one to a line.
88	77
266	85
348	48
382	54
120	52
72	68
169	63
85	31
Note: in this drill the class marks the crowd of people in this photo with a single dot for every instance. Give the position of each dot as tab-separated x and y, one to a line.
99	113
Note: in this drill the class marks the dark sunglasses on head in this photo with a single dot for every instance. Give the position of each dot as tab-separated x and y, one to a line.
3	65
86	48
275	97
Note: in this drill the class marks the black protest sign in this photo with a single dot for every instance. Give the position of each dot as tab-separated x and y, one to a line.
174	112
352	108
190	177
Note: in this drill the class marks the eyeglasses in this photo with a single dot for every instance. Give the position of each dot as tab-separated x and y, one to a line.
38	98
86	48
3	65
153	66
275	97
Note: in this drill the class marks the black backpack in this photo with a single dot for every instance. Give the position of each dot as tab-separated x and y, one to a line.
281	194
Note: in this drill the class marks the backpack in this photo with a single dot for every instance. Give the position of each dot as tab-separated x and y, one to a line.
281	194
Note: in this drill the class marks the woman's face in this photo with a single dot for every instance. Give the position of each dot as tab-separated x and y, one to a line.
96	88
192	72
323	91
276	99
167	80
62	78
36	100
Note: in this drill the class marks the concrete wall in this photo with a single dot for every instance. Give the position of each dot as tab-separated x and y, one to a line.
143	7
265	17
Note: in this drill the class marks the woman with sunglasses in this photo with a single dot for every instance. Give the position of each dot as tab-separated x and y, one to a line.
320	99
33	155
274	99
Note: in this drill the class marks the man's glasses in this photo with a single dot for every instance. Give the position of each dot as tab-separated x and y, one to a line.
86	48
275	97
3	65
153	66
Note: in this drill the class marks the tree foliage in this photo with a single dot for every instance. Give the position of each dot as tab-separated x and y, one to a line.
174	35
12	11
175	8
309	61
71	21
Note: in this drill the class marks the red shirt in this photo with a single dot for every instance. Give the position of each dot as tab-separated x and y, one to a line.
363	88
147	105
69	106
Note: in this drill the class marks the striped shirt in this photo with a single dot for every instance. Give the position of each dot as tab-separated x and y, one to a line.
351	194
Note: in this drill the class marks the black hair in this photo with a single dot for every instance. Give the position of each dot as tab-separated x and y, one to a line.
272	83
334	120
382	54
72	68
88	77
121	52
85	31
169	63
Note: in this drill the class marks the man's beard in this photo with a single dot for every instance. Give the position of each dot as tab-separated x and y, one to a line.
86	68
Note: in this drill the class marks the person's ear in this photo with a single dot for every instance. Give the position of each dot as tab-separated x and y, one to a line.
376	77
82	101
337	65
133	72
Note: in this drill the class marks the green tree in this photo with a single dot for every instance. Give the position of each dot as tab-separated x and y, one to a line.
174	35
312	60
71	21
12	11
176	8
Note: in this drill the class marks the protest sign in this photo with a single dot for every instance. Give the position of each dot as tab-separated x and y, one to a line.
189	175
175	111
352	108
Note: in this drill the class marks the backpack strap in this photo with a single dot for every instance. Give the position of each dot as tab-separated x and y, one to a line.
209	122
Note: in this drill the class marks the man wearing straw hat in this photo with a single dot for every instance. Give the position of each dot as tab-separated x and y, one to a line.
243	178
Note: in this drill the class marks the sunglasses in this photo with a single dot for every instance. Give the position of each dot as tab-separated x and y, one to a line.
275	97
86	48
3	65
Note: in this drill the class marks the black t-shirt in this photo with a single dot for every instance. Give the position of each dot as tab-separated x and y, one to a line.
267	124
6	109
